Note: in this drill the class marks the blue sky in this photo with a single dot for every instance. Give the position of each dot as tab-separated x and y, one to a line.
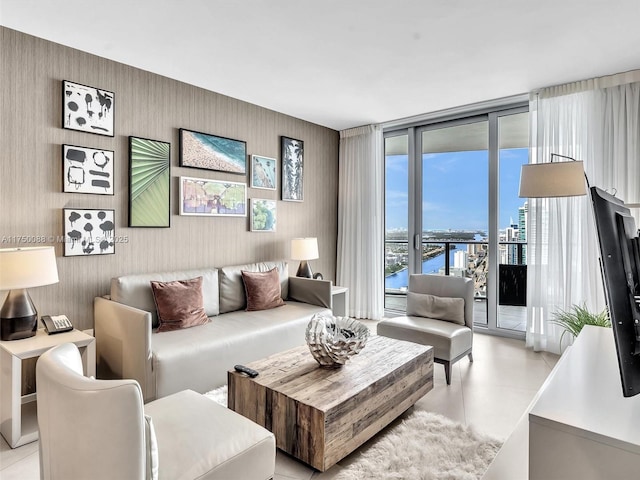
455	189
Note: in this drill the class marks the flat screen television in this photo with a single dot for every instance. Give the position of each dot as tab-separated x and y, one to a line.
620	263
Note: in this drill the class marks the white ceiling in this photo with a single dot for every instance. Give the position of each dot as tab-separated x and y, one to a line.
346	63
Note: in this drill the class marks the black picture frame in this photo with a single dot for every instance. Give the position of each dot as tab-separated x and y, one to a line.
292	158
87	170
212	152
89	231
149	183
88	109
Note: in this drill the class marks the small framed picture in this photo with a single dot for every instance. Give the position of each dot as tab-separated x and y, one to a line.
89	232
149	183
87	109
263	215
210	152
263	172
292	169
87	170
212	198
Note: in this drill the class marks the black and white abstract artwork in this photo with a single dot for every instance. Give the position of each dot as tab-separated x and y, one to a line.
89	232
87	170
292	169
87	109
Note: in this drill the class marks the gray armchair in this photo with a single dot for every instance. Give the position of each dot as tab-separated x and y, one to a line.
444	322
100	429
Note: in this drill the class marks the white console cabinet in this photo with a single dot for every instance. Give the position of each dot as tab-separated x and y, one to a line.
581	426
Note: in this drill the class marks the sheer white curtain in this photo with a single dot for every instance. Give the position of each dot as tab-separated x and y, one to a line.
597	121
361	221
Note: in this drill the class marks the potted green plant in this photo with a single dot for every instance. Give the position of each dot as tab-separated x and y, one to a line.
577	317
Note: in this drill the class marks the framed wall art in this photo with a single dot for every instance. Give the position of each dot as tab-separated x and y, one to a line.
263	172
292	169
149	183
263	215
212	198
87	109
88	232
87	170
210	152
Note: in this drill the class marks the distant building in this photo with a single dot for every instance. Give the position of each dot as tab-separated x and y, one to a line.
522	228
460	260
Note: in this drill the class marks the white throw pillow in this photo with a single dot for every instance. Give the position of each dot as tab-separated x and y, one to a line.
450	309
151	445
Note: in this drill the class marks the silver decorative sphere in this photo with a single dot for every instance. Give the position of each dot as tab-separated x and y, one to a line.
332	340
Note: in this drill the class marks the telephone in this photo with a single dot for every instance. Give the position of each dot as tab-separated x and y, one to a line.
56	324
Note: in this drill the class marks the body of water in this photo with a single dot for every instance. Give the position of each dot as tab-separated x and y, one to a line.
433	265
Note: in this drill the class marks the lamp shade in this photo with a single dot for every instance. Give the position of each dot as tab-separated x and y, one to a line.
304	248
554	179
27	267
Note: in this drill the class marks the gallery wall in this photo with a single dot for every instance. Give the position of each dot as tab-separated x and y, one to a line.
153	107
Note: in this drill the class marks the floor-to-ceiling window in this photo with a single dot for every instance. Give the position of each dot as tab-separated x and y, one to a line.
452	209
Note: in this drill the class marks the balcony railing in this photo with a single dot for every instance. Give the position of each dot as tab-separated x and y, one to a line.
511	275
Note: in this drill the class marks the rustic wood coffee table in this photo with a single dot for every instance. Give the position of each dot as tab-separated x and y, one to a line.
320	415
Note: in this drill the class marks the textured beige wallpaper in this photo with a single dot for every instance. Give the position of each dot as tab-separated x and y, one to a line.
148	106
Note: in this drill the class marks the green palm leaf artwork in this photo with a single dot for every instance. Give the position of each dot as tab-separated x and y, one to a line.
149	183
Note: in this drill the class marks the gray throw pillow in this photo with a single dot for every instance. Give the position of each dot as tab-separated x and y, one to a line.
450	309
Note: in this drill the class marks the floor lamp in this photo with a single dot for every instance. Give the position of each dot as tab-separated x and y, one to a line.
553	179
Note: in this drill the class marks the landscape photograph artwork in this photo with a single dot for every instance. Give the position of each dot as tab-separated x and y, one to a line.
199	196
210	152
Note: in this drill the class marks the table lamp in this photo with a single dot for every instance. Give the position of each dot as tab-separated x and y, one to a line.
304	249
22	268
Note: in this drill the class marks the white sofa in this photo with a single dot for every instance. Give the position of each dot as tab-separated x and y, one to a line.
198	358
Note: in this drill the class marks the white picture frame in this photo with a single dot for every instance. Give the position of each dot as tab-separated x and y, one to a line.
264	172
263	215
212	198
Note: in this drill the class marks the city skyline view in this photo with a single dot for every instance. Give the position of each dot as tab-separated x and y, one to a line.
455	190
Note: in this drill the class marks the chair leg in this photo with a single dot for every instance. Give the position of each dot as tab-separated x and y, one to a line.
447	372
471	357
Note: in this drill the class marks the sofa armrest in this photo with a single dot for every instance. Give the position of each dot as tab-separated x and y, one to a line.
123	344
311	291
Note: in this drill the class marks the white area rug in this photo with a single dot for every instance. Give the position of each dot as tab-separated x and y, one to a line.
424	446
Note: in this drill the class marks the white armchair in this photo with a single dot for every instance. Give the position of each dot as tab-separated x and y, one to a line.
440	314
100	429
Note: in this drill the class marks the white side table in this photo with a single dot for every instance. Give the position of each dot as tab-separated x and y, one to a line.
19	423
339	300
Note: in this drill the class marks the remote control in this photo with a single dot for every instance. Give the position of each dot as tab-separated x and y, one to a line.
249	371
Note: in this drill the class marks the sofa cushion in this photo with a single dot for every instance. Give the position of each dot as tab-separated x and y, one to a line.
221	443
449	309
232	294
179	304
448	339
199	358
262	290
135	290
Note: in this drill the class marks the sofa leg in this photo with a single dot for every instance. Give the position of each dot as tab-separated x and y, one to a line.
471	357
447	372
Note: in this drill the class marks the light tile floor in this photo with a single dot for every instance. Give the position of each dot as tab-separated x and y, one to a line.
491	394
